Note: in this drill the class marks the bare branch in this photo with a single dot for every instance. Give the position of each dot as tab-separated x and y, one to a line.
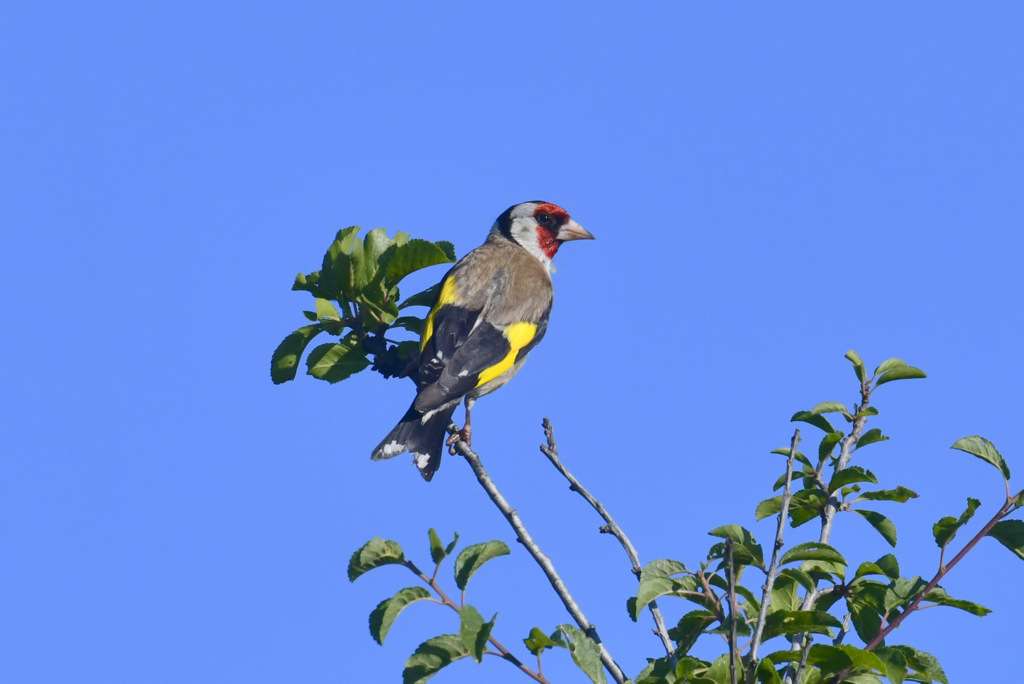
773	566
611	527
524	538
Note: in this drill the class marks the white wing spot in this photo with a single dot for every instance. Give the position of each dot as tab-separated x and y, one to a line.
393	448
421	460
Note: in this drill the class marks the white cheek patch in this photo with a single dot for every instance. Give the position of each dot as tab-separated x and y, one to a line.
525	234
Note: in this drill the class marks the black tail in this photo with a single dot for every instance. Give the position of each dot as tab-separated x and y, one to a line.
422	437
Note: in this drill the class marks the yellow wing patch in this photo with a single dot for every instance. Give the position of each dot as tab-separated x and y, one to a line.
518	335
448	296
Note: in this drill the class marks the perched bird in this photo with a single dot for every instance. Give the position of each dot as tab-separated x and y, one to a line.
492	309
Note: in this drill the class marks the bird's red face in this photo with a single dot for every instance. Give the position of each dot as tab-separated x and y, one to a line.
550	219
540	228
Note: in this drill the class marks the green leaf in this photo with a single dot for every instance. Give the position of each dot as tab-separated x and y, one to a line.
939	596
655	581
814	419
797	621
451	547
884	526
766	673
585	653
366	261
718	673
850	475
1010	533
826	568
828	444
870	437
806	506
812	551
373	554
746	550
832	659
889	364
889	565
425	298
983	449
768	507
437	552
900	494
384	615
830	407
448	248
945	530
895	664
474	632
901	373
310	315
657	671
337	361
785	594
285	360
377	308
925	664
663	567
538	641
473	557
865	618
868	568
431	656
805	580
413	256
690	627
326	311
308	282
858	365
903	591
413	324
336	272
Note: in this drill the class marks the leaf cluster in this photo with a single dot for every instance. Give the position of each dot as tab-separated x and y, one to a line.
357	300
474	633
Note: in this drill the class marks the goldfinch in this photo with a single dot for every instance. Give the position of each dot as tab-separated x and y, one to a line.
492	309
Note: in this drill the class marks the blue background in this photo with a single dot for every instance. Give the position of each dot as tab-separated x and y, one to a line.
770	186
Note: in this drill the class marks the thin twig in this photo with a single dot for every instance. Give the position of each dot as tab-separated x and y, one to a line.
611	527
502	651
773	566
543	561
732	609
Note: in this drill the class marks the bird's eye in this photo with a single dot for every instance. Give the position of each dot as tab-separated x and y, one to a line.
545	219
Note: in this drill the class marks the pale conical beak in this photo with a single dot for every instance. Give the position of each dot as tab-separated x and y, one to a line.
573	231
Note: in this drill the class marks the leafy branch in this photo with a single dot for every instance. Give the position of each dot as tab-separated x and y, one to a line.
357	299
474	634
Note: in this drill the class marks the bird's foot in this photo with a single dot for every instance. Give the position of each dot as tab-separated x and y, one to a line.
463	435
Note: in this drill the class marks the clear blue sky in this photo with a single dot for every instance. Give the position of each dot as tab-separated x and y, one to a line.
770	186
